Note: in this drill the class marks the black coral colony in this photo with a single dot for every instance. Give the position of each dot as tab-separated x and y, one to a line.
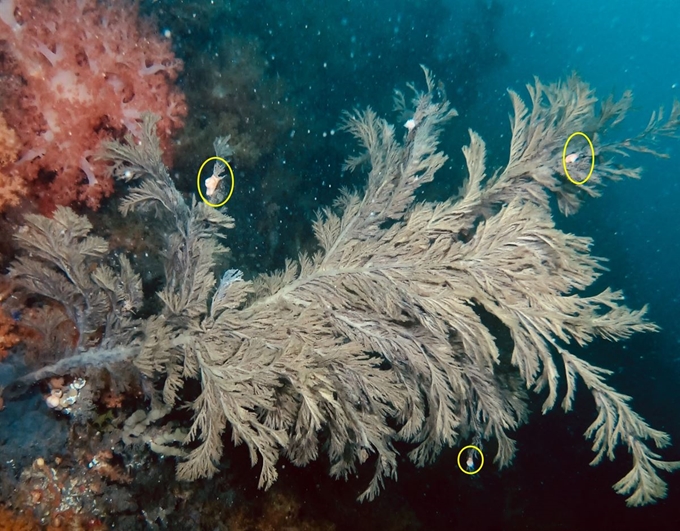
377	337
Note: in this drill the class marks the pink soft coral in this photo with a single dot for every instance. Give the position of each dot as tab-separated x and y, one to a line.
11	188
79	72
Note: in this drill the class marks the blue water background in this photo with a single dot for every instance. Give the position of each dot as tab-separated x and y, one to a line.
615	46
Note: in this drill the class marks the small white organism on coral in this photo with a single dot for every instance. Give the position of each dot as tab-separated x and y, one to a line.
212	182
571	158
470	462
410	124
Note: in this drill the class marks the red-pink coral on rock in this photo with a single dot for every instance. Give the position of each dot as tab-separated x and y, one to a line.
78	72
11	189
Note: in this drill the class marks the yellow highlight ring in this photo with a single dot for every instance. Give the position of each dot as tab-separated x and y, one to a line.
480	465
198	182
592	159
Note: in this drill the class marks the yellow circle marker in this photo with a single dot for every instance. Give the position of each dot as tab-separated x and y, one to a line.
198	182
592	159
480	465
